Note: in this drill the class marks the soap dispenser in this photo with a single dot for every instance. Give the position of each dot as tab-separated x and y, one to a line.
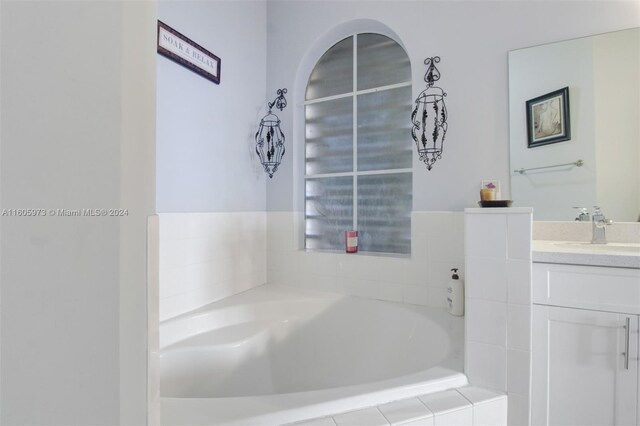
455	295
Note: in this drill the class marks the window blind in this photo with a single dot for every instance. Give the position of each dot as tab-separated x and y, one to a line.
358	147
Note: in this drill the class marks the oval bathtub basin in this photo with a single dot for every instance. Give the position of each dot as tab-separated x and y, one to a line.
274	355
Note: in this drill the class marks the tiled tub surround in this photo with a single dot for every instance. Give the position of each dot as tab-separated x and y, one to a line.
275	355
421	278
202	246
206	257
498	304
464	406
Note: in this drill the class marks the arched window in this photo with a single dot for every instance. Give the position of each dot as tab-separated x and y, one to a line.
358	151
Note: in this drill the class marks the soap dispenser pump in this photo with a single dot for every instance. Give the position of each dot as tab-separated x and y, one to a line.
455	295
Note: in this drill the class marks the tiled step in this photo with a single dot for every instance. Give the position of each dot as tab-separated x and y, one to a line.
466	406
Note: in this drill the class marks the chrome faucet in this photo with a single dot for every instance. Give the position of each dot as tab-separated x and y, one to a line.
584	215
598	223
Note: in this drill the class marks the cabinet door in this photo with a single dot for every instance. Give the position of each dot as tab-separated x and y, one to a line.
580	372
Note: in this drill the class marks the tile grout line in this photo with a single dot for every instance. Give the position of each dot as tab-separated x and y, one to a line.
382	414
473	406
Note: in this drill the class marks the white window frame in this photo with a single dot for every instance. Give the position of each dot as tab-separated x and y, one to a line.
354	173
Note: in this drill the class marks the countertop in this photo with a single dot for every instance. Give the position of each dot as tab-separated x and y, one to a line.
620	255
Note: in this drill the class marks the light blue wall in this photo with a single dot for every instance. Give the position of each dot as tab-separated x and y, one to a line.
206	157
472	38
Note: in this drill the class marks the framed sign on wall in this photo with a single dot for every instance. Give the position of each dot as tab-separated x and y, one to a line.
187	53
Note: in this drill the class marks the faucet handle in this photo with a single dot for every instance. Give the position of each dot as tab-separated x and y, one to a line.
599	219
601	223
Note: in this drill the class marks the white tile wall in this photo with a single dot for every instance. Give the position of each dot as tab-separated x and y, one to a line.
489	408
405	411
498	298
518	361
519	410
366	417
429	421
519	281
436	247
324	421
466	406
490	322
493	413
518	327
486	235
206	257
519	236
487	278
455	418
445	402
486	365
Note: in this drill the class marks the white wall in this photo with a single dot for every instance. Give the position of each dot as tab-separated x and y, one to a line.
211	186
535	72
206	148
473	39
78	108
616	61
137	181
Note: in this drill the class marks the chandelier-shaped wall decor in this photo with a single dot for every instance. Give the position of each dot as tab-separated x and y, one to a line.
269	137
429	117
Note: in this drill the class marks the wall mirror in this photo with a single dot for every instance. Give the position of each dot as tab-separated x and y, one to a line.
600	163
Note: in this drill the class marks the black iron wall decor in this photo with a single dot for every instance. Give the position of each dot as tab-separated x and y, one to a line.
429	117
269	137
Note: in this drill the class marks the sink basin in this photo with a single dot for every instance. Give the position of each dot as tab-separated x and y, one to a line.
609	248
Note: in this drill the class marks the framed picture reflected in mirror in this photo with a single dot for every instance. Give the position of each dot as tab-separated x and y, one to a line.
548	118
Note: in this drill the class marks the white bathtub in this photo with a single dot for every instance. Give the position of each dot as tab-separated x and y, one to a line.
276	355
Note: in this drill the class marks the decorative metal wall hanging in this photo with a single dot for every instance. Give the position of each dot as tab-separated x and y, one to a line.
429	117
269	137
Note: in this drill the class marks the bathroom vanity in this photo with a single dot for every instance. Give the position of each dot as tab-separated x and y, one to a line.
585	273
586	310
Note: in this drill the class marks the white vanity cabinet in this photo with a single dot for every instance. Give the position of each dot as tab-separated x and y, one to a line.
580	370
585	345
